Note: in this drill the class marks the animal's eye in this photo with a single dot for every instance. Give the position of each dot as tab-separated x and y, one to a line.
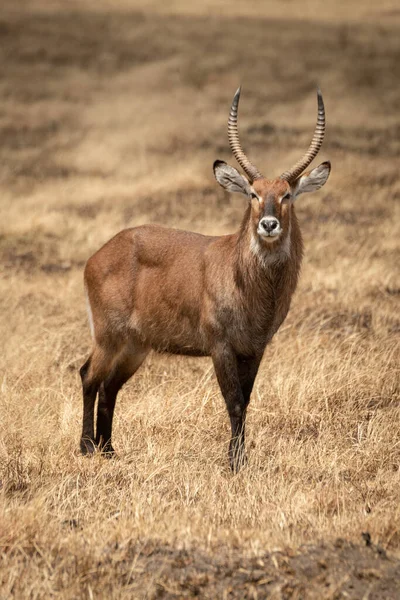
253	195
286	197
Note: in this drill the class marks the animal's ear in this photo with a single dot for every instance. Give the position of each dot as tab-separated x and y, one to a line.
230	179
313	180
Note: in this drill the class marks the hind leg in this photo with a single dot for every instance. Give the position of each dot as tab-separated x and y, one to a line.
93	372
127	365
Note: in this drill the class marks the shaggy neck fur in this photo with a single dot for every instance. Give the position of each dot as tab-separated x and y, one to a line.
275	266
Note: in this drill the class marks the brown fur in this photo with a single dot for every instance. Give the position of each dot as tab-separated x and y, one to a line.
180	292
185	293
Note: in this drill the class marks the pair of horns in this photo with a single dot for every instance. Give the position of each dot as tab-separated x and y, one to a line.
291	174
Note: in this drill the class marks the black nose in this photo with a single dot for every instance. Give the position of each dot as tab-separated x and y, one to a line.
269	224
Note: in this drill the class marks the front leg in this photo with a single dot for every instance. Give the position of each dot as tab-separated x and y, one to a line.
248	369
235	377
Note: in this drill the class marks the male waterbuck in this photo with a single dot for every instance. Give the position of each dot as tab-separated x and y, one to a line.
179	292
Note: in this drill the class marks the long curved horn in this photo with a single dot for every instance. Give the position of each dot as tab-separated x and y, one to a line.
315	145
233	136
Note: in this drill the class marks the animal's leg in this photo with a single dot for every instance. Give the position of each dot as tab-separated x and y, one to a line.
247	369
127	366
93	372
226	369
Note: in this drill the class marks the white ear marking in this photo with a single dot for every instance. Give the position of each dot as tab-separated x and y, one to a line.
312	180
230	179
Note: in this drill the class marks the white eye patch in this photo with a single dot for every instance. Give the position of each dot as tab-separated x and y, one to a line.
254	195
286	198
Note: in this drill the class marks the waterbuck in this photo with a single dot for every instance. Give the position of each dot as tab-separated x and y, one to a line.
180	292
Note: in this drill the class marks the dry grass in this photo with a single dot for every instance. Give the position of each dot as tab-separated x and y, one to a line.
112	119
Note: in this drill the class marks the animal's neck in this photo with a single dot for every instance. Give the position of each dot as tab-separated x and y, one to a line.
267	276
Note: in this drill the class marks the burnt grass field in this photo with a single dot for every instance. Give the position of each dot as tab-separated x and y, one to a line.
111	115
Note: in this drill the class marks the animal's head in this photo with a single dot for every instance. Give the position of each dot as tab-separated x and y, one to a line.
271	199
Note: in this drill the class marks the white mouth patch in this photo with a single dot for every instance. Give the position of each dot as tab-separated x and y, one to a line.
272	234
268	256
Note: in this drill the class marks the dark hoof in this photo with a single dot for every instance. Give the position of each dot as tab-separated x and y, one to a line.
108	451
87	446
105	448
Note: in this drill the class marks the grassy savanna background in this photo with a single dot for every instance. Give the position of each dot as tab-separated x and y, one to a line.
111	116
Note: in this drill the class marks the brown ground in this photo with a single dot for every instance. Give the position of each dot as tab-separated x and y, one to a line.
111	115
